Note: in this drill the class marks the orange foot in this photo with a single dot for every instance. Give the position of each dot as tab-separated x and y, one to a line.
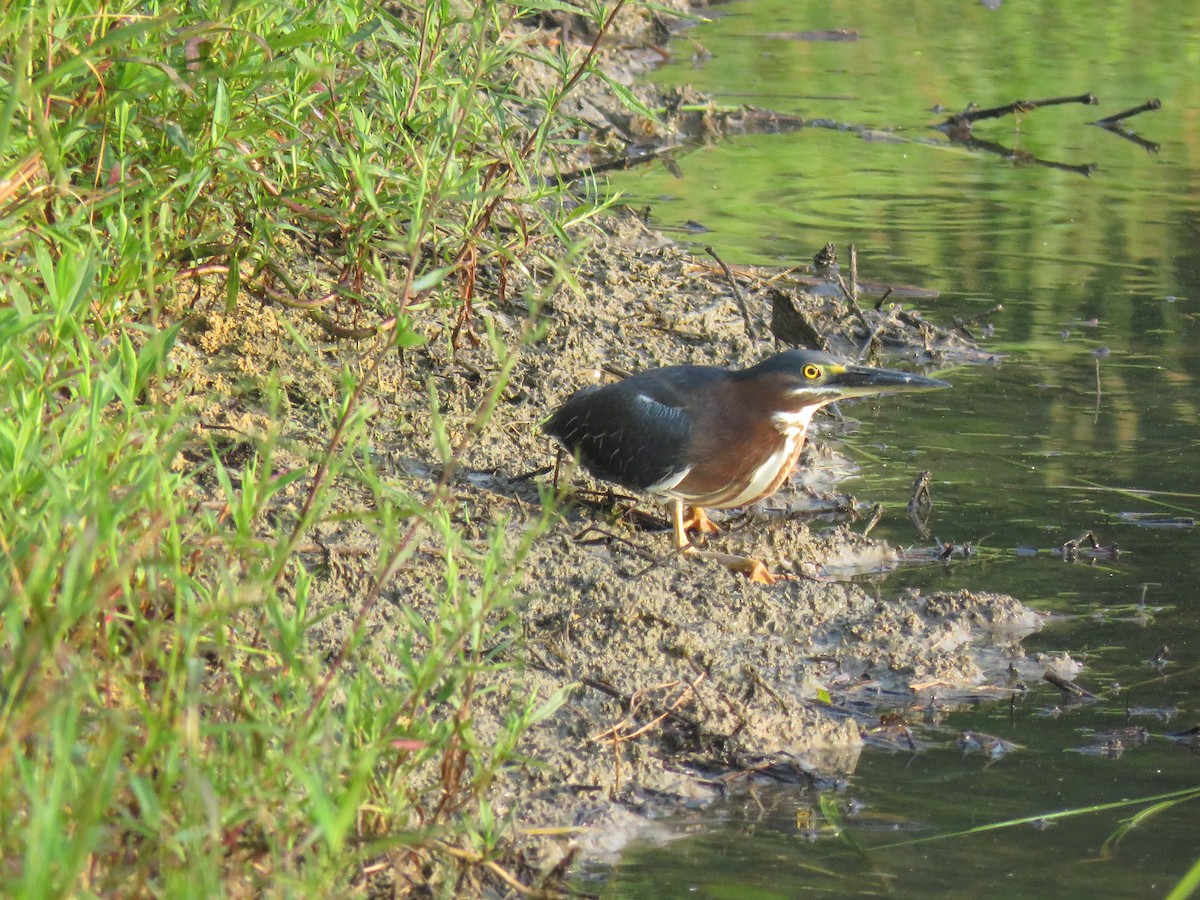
754	569
696	519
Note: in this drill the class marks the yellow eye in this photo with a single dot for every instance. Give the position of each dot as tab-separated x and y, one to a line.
811	372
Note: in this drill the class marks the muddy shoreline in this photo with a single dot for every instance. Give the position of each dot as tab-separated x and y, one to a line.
686	683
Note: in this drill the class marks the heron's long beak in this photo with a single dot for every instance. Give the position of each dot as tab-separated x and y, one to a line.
859	381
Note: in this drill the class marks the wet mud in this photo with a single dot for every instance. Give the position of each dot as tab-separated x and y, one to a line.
687	683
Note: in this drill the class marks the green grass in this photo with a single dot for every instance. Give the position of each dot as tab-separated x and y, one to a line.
167	725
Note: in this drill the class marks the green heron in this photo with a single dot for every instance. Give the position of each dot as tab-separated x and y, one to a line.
704	436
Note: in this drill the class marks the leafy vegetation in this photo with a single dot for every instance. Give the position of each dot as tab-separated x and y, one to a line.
167	724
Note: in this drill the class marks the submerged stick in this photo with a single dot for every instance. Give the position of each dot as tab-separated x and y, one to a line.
1017	106
1068	687
1117	118
1115	124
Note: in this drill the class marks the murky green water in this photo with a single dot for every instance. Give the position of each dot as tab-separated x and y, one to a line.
1100	281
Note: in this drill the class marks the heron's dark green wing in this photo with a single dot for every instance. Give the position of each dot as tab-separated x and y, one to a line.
635	432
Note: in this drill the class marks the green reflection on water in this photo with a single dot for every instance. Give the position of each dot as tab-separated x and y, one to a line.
1100	279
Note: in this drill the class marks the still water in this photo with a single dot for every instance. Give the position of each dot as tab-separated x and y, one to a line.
1090	423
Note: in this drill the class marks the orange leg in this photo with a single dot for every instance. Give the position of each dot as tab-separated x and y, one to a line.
751	568
695	519
681	539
